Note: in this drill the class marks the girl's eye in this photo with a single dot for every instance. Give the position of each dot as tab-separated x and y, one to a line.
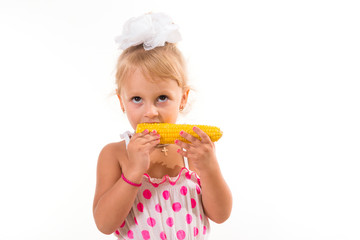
162	98
136	99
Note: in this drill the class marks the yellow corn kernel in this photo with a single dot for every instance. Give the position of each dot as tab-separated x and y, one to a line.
170	132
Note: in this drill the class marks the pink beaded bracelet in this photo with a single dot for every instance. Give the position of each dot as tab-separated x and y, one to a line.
129	182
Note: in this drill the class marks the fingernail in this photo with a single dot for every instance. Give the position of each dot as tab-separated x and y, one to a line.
178	150
146	131
154	131
194	128
182	132
176	141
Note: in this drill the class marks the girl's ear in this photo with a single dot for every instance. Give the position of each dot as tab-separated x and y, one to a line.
184	99
121	103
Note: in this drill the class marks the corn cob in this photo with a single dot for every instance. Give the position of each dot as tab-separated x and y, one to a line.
170	132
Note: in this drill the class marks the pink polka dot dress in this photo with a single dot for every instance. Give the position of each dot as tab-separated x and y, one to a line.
167	208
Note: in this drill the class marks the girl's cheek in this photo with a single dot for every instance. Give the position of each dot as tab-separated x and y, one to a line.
134	106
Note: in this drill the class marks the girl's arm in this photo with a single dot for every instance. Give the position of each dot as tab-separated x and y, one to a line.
113	196
216	195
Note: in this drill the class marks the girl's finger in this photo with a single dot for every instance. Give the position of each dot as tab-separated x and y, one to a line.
152	137
145	137
204	137
136	135
188	137
182	144
149	141
154	133
152	142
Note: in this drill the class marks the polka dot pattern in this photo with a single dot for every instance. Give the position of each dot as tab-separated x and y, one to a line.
158	208
170	221
183	190
166	209
147	194
193	203
130	234
145	234
198	190
151	221
163	235
166	194
176	207
188	218
180	234
196	231
122	225
140	207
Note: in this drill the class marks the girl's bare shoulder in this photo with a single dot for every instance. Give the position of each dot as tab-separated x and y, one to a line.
112	154
108	168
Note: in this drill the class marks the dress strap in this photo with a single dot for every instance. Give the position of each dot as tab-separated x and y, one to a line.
126	136
186	163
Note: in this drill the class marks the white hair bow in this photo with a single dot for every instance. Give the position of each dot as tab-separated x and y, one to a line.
151	29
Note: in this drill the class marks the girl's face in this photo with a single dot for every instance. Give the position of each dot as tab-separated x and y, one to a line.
146	101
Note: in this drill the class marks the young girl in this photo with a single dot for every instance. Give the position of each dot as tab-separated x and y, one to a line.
146	190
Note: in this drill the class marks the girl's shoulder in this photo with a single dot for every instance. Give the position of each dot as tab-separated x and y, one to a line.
114	148
112	154
108	167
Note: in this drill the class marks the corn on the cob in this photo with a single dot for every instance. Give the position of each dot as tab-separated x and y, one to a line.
170	132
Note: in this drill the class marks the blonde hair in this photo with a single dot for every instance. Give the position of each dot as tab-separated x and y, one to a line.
165	63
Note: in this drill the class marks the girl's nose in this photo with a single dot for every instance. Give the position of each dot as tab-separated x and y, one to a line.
151	111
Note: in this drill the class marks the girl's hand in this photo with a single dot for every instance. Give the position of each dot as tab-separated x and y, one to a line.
216	195
138	150
200	152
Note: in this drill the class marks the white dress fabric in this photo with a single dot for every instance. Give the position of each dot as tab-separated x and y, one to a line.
167	208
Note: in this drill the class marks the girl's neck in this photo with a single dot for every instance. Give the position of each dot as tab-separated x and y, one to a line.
161	164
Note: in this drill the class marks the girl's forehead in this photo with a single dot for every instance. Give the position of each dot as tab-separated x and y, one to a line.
147	87
136	79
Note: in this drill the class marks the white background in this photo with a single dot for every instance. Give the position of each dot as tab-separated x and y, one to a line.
281	78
